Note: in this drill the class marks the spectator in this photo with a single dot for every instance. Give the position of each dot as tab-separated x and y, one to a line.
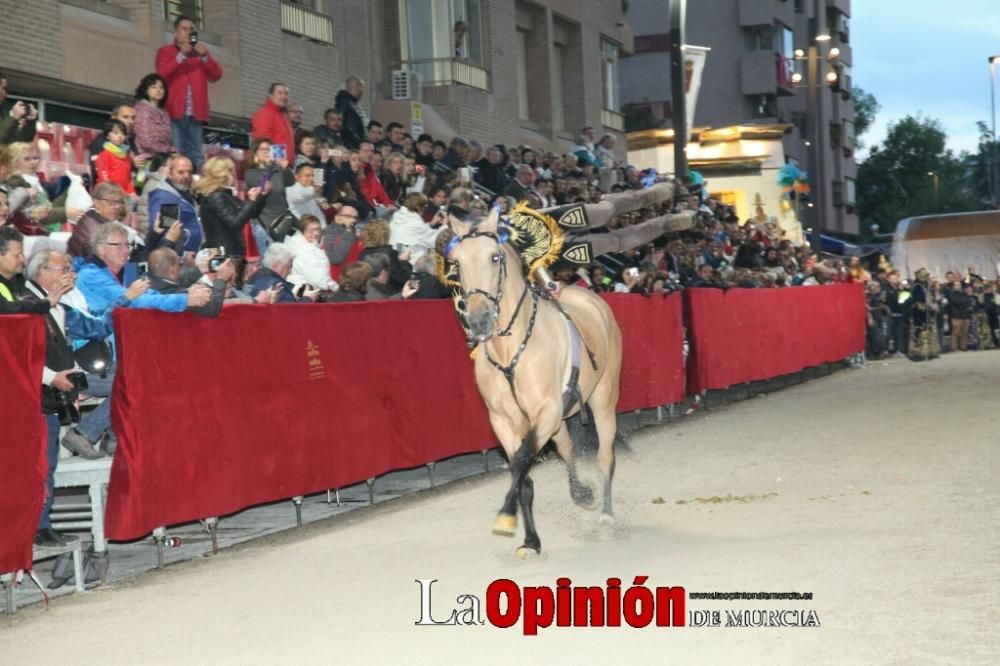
877	320
175	190
165	278
961	306
522	184
152	123
262	169
50	273
188	68
19	124
31	209
353	283
306	149
340	239
455	157
583	152
109	206
604	152
348	102
394	133
302	195
490	171
379	287
223	216
371	189
271	122
438	150
275	267
705	277
310	265
125	114
100	278
393	179
424	148
295	118
376	133
426	281
13	292
331	132
375	241
4	206
114	163
409	230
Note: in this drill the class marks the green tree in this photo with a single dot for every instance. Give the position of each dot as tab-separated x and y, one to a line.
866	107
983	163
911	173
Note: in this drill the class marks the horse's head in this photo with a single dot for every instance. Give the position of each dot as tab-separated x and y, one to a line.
477	248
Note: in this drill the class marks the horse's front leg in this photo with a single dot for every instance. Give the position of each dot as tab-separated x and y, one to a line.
505	523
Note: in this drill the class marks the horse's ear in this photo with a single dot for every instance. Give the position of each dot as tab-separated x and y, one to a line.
458	227
491	221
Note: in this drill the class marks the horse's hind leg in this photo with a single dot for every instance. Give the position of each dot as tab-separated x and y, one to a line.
582	494
607	425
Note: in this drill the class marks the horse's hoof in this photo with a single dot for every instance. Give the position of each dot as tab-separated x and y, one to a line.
583	496
606	519
505	525
527	553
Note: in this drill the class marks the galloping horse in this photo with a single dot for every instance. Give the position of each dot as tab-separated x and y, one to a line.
539	361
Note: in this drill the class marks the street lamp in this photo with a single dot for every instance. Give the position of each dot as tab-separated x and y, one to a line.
994	185
937	192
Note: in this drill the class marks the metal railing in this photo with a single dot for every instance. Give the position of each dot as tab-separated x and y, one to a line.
448	71
306	23
613	120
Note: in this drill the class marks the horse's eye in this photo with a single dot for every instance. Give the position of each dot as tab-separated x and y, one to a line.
496	258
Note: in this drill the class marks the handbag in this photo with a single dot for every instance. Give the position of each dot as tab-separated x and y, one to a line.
94	357
281	226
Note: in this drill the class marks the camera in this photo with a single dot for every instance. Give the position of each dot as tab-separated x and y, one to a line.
215	262
194	38
66	400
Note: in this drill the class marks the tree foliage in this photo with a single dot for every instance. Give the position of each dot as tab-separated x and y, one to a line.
866	107
911	172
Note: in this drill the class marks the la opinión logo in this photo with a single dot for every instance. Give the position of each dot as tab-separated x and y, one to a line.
567	605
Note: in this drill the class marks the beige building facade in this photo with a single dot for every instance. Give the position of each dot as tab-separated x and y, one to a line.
756	74
519	73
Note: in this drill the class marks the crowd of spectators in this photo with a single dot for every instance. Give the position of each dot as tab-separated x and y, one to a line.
346	211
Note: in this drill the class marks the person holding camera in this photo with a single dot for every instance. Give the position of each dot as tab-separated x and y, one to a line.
188	68
310	265
223	216
273	276
172	201
203	300
19	124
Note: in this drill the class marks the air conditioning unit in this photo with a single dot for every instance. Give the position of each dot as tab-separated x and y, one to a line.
405	85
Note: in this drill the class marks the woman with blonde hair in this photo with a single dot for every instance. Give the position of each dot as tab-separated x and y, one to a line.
407	229
30	207
393	178
223	216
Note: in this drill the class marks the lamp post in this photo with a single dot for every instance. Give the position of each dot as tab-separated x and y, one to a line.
937	192
817	137
678	11
994	184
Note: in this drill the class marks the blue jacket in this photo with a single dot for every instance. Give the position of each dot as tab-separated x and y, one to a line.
265	278
166	193
104	292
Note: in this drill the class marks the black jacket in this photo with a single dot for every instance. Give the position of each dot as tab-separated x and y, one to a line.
223	217
353	129
960	304
399	271
24	301
210	309
491	176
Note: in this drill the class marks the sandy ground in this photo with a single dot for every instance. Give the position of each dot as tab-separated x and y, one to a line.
876	490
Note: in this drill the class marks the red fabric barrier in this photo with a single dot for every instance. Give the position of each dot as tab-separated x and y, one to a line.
22	445
265	403
744	335
652	350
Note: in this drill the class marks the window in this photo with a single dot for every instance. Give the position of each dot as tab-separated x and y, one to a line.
766	106
838	24
522	74
442	40
836	134
558	95
850	191
849	138
304	18
190	8
610	54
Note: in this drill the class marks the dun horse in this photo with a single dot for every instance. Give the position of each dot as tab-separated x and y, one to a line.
539	361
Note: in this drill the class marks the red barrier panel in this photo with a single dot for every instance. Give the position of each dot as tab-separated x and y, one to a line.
264	403
744	335
652	350
22	445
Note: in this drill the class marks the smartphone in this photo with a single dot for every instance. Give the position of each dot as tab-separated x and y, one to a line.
632	272
318	177
169	213
278	151
141	270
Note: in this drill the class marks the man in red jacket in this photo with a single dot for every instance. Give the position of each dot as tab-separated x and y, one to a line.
271	121
187	67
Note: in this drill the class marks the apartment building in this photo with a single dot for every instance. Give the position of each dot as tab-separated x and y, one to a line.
516	72
756	74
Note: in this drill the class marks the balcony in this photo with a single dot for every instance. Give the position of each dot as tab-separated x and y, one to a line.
449	71
765	73
613	120
765	12
306	23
